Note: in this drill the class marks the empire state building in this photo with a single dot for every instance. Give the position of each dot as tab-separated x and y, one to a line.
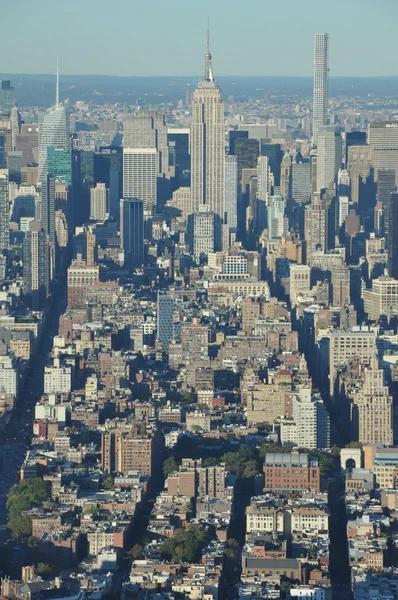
207	143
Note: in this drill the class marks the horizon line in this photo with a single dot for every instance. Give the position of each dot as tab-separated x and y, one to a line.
193	76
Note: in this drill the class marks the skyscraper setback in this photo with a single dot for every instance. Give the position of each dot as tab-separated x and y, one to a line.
321	75
207	142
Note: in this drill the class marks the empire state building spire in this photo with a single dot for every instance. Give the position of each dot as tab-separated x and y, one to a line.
208	68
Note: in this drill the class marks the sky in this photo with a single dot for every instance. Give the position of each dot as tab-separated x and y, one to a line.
156	37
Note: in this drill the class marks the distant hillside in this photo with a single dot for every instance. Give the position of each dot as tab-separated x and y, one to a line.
39	90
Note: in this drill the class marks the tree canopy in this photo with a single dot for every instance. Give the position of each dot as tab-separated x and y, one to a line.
22	497
185	546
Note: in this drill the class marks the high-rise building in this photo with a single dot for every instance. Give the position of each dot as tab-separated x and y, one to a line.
7	98
47	206
393	236
301	181
372	409
14	164
230	213
343	183
385	187
81	278
361	174
59	164
275	156
203	233
108	169
208	143
321	76
383	140
353	138
236	134
312	421
165	318
358	343
132	231
99	202
4	214
54	131
329	156
299	281
36	266
149	130
285	183
140	175
342	214
315	228
276	217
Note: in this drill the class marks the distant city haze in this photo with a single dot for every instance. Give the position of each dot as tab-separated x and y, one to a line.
158	38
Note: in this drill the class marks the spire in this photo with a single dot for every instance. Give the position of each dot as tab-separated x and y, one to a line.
57	87
208	69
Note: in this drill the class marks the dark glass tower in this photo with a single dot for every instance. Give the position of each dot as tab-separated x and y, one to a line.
393	236
132	231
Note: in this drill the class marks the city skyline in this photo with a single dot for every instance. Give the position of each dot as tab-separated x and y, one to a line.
135	48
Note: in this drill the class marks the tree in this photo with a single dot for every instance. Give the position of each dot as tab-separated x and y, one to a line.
136	551
108	483
22	497
169	466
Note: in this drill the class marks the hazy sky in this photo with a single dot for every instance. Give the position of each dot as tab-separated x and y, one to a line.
158	37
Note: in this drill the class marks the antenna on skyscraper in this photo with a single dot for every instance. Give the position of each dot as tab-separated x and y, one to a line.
57	87
208	69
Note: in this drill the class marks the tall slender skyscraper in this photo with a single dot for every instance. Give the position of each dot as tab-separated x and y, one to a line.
36	265
132	231
165	318
54	131
207	142
231	192
321	76
4	214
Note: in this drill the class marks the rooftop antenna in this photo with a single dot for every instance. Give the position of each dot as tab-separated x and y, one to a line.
208	69
57	87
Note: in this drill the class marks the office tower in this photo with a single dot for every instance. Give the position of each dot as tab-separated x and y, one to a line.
378	221
299	281
108	170
149	130
340	286
312	421
99	202
47	206
315	228
81	278
301	181
353	138
230	212
132	231
343	205
275	156
357	343
372	409
321	76
36	266
7	98
329	156
14	164
140	176
361	174
383	140
203	233
236	135
207	143
385	187
393	236
54	131
285	182
59	164
246	152
165	318
15	119
4	214
179	140
6	134
276	217
264	189
343	183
